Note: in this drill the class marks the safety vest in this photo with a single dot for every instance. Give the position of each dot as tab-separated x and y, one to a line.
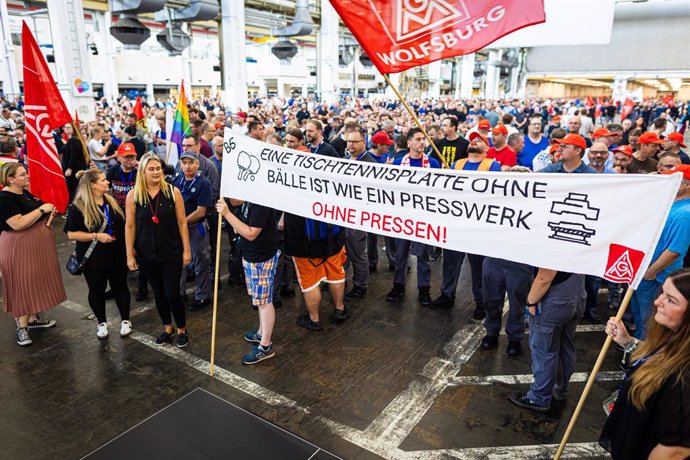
485	165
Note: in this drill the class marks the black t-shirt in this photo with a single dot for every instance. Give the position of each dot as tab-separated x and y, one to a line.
296	243
325	149
104	255
139	147
266	244
158	242
121	183
630	434
451	150
339	145
12	204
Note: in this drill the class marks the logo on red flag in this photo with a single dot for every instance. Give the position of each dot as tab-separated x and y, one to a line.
623	263
400	34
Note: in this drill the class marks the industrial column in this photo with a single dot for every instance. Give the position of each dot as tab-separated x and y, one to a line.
71	56
8	69
467	76
105	44
327	66
492	75
234	58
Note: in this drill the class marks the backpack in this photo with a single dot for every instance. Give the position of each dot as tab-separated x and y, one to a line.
316	230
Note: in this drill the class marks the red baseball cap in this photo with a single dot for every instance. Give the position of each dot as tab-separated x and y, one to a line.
220	124
242	115
650	138
126	149
484	124
683	169
500	129
572	139
556	118
677	137
474	134
602	132
380	138
625	149
553	148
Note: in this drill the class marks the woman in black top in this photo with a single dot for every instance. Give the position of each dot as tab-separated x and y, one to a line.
651	416
74	158
158	241
32	282
107	263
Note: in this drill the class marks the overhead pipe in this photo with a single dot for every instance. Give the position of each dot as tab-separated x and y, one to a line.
302	23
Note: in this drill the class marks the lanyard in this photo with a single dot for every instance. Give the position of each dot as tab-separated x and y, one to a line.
109	226
184	182
316	150
155	213
218	163
129	177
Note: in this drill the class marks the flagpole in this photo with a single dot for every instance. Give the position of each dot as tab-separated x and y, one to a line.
415	119
87	158
593	375
215	294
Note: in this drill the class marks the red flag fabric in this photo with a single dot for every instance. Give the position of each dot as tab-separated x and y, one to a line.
44	111
590	102
627	108
139	112
400	34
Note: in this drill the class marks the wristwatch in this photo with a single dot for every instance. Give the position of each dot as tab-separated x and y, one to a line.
529	305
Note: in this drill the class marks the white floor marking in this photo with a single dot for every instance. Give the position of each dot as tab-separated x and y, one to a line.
578	377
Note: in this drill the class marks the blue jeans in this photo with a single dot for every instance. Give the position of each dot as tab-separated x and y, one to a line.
641	305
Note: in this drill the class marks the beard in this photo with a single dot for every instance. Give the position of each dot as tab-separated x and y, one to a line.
473	149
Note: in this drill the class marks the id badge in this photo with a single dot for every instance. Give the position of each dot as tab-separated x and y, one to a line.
610	402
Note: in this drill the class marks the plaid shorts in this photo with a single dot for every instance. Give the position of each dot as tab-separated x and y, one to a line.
259	278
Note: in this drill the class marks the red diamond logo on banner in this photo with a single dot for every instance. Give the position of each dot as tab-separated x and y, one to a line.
623	263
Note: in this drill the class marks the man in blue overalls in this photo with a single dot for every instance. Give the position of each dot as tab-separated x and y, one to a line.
198	200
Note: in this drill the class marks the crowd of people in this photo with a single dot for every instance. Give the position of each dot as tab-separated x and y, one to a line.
161	220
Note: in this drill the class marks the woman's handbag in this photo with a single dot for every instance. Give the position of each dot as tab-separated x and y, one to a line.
74	265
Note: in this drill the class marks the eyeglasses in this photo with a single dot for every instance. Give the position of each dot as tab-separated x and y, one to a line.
599	152
355	142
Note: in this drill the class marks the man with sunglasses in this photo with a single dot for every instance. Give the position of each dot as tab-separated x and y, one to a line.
570	151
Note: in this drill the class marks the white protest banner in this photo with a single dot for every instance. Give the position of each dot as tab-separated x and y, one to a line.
599	224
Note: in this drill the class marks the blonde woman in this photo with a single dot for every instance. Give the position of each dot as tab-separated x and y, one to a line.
107	264
157	241
97	150
651	416
32	282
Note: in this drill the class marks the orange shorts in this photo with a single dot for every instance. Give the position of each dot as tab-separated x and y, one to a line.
310	272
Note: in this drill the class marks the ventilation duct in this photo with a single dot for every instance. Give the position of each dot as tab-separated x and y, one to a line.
284	50
197	10
173	39
346	56
302	24
136	6
364	60
130	32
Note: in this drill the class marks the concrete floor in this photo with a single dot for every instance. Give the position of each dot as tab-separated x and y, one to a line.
394	381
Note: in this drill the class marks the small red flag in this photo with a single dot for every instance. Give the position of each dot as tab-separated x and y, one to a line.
623	263
590	102
627	108
400	34
45	111
139	112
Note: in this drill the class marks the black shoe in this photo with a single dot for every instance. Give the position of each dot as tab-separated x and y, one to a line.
109	294
391	268
355	293
521	400
435	254
373	268
591	317
397	293
424	297
489	342
287	292
442	302
165	337
141	295
277	303
514	348
198	305
341	315
306	322
558	397
182	340
479	313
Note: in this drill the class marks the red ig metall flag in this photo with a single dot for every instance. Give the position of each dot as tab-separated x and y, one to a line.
400	34
44	111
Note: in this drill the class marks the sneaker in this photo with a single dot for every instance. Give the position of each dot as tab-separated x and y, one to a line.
23	338
109	294
489	342
424	297
478	313
125	328
165	337
39	323
442	302
287	292
306	322
591	317
521	400
397	293
341	315
514	348
141	295
198	305
102	332
182	340
558	397
252	336
355	293
258	354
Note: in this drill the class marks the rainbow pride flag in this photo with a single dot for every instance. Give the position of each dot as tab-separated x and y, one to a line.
180	128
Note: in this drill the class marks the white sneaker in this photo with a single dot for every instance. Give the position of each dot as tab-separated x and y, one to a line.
125	328
102	332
